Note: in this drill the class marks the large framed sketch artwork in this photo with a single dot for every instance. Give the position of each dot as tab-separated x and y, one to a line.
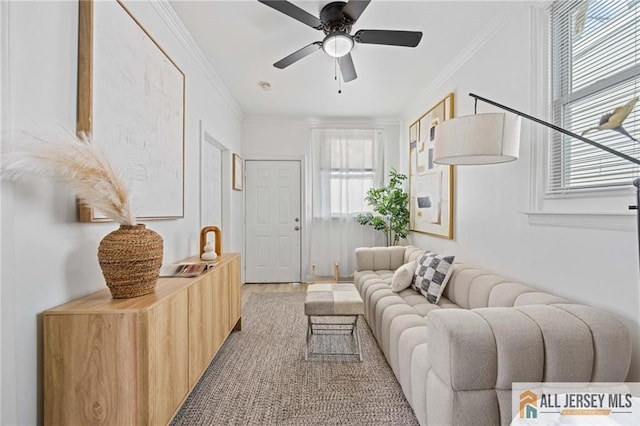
430	184
131	100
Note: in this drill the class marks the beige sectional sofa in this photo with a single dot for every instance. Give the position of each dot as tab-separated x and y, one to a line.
456	360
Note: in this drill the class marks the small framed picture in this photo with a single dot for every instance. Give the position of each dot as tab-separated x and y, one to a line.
238	172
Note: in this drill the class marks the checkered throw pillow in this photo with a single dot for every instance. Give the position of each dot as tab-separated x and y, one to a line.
432	274
419	272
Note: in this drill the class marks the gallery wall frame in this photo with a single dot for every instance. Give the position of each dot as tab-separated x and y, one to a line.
131	99
238	172
430	185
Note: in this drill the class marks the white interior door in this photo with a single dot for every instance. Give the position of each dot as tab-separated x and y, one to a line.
211	185
273	222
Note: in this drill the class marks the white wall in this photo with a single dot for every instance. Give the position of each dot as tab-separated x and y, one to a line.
594	266
280	137
268	138
48	257
4	118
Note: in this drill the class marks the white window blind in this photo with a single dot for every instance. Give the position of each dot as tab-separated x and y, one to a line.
595	69
346	163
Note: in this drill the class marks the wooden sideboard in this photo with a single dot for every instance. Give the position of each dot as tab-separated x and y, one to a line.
134	361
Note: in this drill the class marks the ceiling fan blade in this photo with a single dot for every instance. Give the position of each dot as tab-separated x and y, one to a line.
298	54
388	37
294	11
354	8
347	68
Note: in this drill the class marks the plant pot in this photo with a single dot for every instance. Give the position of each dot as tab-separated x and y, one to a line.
130	258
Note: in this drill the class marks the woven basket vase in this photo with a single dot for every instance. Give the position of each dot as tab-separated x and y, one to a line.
130	258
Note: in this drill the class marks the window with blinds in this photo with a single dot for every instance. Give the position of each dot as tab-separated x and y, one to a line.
595	72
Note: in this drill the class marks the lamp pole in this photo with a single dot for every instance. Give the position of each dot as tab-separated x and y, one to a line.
636	183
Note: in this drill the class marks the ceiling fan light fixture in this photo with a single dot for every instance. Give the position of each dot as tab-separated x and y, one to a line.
337	44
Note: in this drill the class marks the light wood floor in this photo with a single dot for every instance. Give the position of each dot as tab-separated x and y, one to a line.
247	289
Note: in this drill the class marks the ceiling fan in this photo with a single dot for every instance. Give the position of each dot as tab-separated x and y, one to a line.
336	20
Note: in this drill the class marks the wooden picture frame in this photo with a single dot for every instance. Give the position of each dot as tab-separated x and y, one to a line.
238	172
430	184
131	100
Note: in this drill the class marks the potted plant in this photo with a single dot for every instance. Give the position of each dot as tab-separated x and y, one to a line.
131	256
390	207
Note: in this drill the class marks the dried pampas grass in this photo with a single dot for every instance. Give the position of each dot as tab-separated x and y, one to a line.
76	161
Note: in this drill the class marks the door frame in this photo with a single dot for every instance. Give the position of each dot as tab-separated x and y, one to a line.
206	137
305	208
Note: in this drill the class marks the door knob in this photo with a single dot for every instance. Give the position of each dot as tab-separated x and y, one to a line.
297	228
296	219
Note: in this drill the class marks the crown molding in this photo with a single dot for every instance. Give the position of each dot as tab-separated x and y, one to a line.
171	19
458	61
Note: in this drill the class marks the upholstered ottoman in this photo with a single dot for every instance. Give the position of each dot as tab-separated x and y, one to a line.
333	300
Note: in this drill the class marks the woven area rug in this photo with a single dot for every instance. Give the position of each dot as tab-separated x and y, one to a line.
260	377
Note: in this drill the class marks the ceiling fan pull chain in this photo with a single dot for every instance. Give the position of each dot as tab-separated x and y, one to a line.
340	78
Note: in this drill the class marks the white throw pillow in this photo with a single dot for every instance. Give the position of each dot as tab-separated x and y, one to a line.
403	276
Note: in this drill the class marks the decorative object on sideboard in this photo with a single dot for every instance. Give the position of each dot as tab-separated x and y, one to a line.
208	254
131	256
390	205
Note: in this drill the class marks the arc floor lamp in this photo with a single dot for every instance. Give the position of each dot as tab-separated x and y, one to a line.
495	138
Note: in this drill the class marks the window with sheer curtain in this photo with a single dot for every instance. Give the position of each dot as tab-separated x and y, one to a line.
595	69
345	164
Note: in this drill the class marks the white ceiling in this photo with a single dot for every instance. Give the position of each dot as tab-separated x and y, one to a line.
242	40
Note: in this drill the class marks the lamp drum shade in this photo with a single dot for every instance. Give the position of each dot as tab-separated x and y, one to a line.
477	139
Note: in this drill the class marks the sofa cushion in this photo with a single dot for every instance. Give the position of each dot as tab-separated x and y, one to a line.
363	279
403	277
413	253
377	258
432	273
